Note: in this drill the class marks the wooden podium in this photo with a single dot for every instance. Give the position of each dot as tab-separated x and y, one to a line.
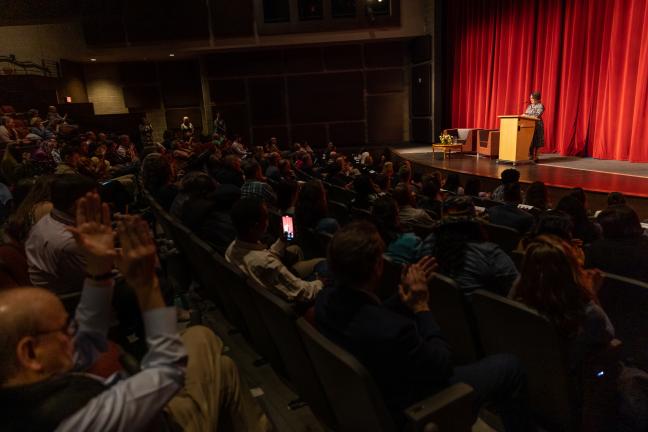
516	134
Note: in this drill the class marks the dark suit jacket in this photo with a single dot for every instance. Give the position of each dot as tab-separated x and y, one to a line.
404	352
511	216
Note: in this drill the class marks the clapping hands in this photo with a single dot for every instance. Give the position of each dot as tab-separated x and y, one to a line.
137	257
413	290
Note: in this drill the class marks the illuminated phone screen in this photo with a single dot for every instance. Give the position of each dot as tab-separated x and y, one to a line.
287	226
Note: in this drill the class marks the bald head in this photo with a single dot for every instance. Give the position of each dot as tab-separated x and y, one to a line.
24	312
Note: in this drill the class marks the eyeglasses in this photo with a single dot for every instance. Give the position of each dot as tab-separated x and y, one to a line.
70	328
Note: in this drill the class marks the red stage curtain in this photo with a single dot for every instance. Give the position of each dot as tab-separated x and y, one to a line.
589	59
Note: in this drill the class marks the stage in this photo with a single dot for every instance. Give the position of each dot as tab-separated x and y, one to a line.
560	173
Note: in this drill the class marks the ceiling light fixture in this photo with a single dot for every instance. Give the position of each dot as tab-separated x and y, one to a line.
93	59
171	55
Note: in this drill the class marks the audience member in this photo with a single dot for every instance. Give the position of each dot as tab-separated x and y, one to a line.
228	171
615	198
255	185
36	204
311	210
473	187
365	192
452	185
401	247
54	259
584	229
509	214
250	218
464	255
553	282
208	213
287	193
537	196
70	157
191	184
508	176
186	127
39	130
272	171
430	199
410	216
622	250
238	148
157	179
398	341
7	132
44	349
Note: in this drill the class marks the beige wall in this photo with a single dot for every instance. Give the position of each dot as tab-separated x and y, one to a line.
104	88
46	41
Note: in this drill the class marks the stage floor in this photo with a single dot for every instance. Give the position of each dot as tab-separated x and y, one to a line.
593	175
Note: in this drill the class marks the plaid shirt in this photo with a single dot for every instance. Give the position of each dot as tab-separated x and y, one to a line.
254	188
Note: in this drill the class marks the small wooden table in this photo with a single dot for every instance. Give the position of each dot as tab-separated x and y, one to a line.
447	149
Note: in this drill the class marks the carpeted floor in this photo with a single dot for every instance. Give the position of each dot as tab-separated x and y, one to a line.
599	165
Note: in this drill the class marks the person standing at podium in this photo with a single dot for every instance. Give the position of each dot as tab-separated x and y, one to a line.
536	109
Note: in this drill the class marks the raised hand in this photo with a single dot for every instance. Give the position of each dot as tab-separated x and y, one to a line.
137	261
413	290
94	235
428	265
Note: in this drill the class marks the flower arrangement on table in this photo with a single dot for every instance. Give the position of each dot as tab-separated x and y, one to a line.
446	139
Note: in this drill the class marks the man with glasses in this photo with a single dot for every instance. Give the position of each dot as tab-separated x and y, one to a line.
184	381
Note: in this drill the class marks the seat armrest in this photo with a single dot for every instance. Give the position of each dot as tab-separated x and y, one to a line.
449	409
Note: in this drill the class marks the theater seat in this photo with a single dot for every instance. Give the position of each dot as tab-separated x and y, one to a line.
505	237
339	211
358	404
239	290
625	301
281	320
452	310
507	326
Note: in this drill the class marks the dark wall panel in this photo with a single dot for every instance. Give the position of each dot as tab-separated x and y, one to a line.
227	91
104	31
232	18
263	133
328	97
142	97
339	57
236	117
421	89
347	134
300	60
314	134
421	49
180	82
267	101
422	130
270	62
162	20
384	54
385	118
385	81
138	73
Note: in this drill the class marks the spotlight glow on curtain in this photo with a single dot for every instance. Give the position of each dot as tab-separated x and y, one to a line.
589	59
